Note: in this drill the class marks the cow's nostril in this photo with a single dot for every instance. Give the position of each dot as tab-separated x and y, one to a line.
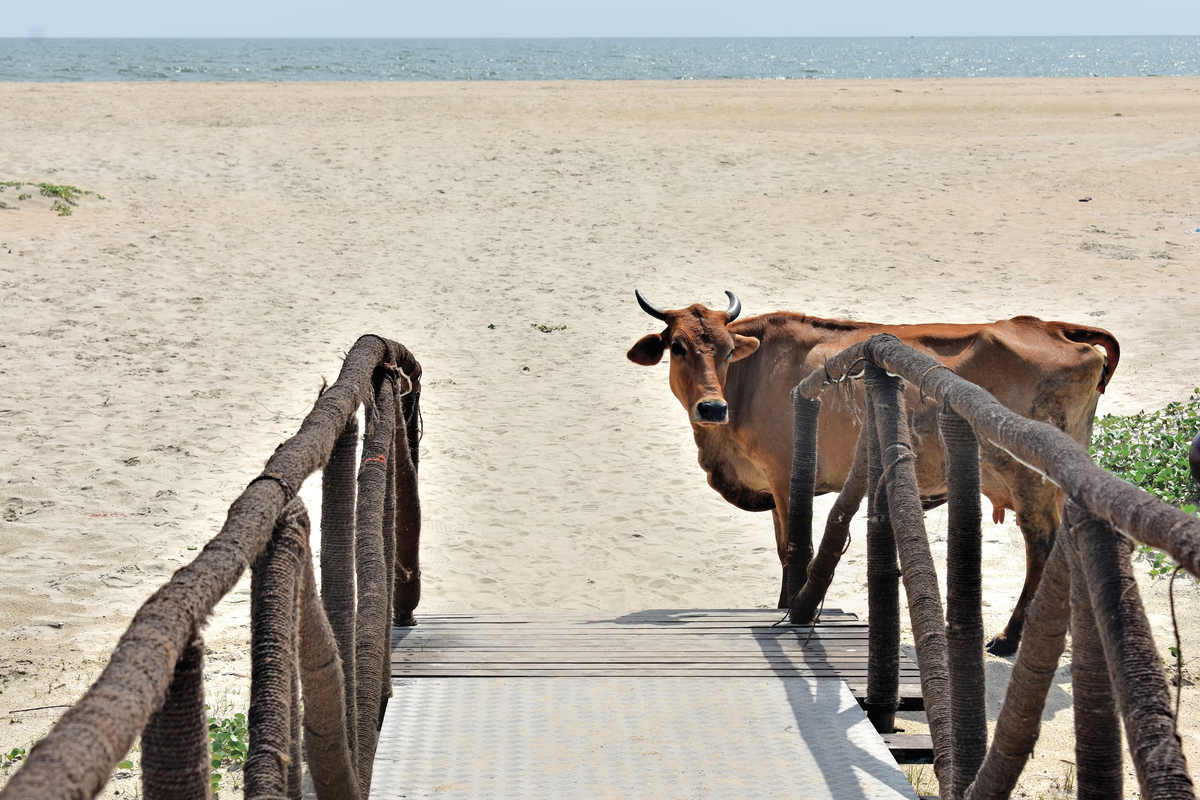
712	411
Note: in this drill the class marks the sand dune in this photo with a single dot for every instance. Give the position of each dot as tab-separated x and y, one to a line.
157	344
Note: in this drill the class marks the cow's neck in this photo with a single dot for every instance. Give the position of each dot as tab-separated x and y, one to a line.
729	470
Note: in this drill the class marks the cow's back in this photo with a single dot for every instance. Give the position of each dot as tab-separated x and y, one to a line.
1032	366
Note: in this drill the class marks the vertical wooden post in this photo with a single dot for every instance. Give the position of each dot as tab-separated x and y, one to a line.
406	592
176	754
295	772
803	486
274	601
833	542
964	598
326	743
1135	666
883	586
1020	717
338	490
372	637
916	562
1098	759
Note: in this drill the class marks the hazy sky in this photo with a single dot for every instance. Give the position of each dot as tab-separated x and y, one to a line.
534	18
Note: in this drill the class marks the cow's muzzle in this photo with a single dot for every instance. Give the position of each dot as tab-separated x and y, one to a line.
712	412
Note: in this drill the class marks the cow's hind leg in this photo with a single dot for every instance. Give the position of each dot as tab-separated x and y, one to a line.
781	548
1037	515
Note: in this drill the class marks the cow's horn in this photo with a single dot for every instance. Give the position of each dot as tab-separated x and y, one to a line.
735	306
657	313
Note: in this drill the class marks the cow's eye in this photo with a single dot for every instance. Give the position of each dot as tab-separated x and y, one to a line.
677	349
730	356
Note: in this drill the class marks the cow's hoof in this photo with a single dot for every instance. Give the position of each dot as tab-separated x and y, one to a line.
406	622
1001	646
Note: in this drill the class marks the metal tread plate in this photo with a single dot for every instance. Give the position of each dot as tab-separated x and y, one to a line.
631	737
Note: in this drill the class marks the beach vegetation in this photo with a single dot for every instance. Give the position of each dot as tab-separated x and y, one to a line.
66	193
1062	787
12	757
65	196
1150	450
549	328
921	778
230	739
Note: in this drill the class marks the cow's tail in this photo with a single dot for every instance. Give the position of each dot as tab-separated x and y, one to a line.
1101	337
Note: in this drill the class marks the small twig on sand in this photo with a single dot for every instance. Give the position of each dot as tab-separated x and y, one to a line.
39	708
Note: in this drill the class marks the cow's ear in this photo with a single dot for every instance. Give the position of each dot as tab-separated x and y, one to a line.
743	346
648	351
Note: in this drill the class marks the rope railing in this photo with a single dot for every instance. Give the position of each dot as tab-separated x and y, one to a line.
1087	586
320	673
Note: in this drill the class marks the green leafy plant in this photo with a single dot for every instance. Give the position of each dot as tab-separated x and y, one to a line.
12	756
68	194
65	196
230	739
1150	450
230	745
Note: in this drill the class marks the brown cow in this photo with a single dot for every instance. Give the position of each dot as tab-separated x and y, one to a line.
734	379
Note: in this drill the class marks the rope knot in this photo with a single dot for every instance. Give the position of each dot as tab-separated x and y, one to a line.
405	383
288	492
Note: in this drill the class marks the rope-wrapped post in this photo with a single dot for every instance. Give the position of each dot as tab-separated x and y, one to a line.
389	560
372	630
833	541
326	743
1020	717
406	592
801	491
883	589
916	561
1135	667
295	773
78	755
337	560
176	752
274	607
1040	446
1098	768
964	598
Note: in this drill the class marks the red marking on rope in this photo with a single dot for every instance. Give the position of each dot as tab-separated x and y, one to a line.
377	459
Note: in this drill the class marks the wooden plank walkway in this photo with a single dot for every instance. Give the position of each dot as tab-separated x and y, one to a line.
662	704
700	644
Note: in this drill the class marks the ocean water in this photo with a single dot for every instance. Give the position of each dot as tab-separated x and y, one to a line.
62	60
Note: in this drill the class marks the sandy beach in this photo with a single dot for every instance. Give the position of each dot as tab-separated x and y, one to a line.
157	344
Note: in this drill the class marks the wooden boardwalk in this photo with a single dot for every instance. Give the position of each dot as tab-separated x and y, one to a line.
655	703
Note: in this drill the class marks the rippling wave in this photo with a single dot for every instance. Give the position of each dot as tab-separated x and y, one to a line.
69	60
